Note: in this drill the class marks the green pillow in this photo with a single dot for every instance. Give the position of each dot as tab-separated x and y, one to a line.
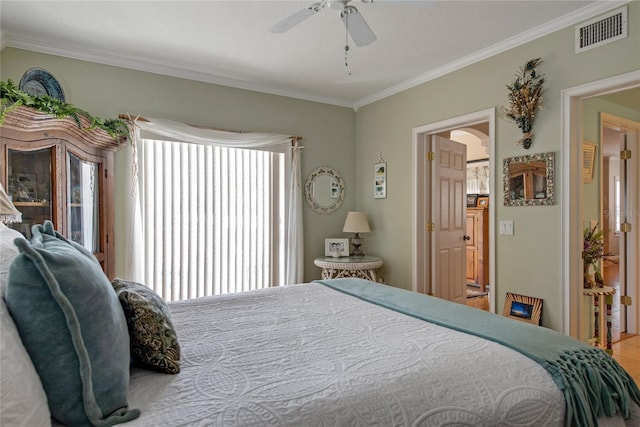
154	342
73	327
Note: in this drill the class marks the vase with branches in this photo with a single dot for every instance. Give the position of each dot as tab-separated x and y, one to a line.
592	253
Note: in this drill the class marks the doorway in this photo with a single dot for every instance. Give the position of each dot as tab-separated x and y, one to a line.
422	266
619	178
573	219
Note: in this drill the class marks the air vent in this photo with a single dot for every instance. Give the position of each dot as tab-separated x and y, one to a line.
602	30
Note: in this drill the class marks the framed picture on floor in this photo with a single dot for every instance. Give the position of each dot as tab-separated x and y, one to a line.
523	308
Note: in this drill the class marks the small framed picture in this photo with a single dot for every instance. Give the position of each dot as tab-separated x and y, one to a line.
335	189
336	247
380	180
472	200
483	201
523	308
27	184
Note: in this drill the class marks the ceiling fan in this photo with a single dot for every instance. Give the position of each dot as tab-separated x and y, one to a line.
356	26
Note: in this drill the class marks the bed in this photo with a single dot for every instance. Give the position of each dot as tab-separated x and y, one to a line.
349	352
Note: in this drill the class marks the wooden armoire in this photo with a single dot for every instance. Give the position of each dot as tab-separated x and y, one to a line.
53	170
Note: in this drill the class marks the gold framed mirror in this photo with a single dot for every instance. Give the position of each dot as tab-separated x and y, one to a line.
529	180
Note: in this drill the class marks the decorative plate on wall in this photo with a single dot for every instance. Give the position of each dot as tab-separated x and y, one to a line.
38	82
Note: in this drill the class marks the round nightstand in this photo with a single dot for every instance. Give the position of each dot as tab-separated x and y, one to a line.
362	267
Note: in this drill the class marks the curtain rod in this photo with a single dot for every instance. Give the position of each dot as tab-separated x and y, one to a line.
294	139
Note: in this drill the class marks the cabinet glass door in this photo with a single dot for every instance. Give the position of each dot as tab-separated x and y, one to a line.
83	203
30	187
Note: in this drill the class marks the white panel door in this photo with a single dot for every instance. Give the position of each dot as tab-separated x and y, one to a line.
449	218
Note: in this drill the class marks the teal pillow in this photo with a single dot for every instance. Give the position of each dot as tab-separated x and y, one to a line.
153	339
72	325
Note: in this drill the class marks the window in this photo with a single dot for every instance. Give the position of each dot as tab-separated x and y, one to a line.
617	204
213	218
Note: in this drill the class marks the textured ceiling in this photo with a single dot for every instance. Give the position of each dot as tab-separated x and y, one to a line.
228	42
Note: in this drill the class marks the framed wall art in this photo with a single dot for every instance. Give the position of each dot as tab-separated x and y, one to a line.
478	177
523	308
380	180
588	160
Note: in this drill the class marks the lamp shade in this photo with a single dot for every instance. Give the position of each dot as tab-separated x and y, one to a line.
356	223
8	212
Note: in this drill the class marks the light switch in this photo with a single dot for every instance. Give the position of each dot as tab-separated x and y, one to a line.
506	228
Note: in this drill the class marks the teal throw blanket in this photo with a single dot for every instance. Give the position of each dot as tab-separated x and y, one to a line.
592	382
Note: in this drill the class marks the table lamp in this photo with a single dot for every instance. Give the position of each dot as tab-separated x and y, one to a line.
356	222
8	212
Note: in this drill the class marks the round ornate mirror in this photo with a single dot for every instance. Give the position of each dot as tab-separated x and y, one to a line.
324	190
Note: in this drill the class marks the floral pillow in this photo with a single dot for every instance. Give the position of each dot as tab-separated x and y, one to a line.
153	339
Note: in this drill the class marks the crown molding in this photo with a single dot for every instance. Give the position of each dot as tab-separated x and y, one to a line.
145	65
565	21
139	64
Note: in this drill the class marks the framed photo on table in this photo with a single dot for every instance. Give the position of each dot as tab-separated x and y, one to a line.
483	201
338	246
472	200
523	308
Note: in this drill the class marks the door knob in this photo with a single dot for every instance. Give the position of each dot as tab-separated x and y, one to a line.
466	237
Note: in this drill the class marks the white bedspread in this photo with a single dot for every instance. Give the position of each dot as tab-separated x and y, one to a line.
306	355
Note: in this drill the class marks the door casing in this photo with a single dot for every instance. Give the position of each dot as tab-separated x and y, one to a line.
628	268
421	265
572	217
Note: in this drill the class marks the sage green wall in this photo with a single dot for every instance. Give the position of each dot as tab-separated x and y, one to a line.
529	261
106	91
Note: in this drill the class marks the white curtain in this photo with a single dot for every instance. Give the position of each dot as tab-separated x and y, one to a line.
294	261
134	249
265	141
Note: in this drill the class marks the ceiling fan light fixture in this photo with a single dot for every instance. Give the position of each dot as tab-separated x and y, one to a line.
348	10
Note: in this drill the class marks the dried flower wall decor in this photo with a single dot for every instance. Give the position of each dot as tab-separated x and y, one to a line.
525	97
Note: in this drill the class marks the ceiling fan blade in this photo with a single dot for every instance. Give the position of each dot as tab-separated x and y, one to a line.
287	23
357	26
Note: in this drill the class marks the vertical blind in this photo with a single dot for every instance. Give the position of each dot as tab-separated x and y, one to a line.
212	218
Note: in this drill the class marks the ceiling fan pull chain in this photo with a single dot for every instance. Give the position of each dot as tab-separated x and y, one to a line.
346	45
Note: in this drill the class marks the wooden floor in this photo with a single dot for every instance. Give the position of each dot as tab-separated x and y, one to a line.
479	302
626	350
627	353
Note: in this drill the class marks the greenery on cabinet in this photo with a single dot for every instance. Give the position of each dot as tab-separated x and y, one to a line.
12	97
